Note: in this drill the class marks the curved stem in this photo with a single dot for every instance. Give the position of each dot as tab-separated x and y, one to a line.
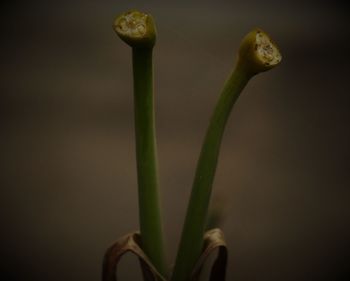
192	235
149	209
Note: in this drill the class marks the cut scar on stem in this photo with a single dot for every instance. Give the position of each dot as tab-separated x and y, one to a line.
132	24
266	50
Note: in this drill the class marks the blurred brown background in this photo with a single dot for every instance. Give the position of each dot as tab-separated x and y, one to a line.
68	180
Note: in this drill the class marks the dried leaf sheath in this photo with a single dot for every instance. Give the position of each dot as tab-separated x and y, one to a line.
128	243
213	240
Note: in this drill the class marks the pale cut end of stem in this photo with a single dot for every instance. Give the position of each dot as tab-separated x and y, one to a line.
266	50
258	52
135	28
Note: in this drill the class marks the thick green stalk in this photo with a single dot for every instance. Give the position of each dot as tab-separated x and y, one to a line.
192	235
257	53
138	30
149	209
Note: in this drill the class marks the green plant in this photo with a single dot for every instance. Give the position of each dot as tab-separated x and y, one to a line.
138	31
257	53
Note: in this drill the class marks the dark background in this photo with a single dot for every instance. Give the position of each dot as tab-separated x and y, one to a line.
68	178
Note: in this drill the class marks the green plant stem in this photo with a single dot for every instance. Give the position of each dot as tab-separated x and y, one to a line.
192	235
149	209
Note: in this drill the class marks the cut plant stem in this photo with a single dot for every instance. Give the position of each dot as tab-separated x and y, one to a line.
149	209
138	30
196	219
257	53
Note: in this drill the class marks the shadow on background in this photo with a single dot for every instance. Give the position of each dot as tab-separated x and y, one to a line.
68	186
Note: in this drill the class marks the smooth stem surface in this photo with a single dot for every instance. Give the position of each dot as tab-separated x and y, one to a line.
192	235
149	207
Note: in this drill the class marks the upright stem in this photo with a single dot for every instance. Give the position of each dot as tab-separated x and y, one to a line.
149	209
192	235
